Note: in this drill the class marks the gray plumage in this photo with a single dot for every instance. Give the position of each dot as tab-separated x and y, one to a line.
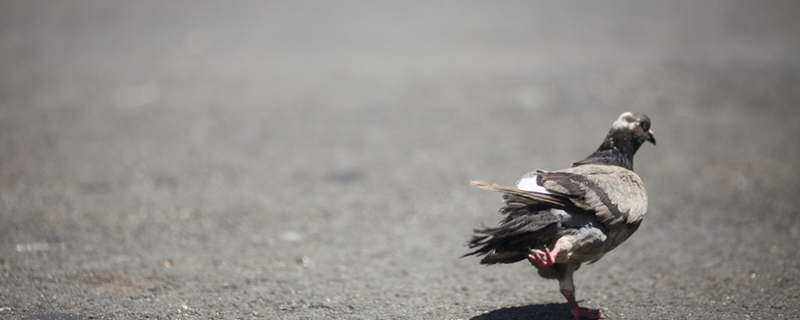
585	210
595	207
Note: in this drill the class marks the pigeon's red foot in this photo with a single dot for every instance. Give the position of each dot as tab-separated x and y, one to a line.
543	258
587	313
578	312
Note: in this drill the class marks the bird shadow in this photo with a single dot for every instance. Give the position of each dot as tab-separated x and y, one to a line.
546	311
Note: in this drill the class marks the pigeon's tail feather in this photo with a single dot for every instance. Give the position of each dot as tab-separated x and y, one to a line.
528	223
508	248
523	196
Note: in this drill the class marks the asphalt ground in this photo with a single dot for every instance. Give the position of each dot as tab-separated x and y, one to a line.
293	160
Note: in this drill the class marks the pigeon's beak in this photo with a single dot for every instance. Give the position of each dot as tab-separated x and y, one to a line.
650	137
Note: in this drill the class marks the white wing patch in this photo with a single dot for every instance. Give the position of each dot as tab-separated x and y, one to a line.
529	184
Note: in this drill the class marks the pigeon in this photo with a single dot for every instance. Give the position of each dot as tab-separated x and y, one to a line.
558	220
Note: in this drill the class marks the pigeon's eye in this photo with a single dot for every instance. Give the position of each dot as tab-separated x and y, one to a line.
645	126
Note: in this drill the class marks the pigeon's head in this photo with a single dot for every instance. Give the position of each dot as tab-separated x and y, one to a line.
627	134
634	126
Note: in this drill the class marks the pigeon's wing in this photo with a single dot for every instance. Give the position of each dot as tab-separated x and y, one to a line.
612	193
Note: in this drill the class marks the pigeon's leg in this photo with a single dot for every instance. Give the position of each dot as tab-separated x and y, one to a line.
568	290
547	257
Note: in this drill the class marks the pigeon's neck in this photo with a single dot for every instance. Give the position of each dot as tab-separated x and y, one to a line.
617	149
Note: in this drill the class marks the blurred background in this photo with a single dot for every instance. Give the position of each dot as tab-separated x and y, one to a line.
292	159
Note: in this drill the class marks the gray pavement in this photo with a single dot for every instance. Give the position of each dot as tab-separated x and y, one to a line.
311	160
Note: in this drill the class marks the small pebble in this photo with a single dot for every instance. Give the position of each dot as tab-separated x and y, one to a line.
303	261
291	236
